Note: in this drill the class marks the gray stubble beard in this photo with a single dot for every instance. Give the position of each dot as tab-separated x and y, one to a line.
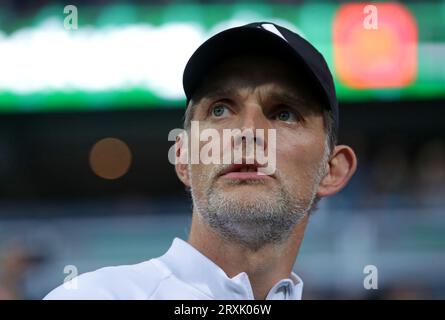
255	224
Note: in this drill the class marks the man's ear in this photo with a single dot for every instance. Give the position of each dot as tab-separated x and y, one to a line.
340	169
181	158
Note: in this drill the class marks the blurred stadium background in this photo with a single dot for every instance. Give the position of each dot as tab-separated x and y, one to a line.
68	197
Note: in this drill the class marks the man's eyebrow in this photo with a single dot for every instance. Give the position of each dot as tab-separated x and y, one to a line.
285	97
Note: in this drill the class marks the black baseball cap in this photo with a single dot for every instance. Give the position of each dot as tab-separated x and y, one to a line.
267	38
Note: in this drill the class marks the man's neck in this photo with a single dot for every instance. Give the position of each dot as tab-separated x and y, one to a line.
265	267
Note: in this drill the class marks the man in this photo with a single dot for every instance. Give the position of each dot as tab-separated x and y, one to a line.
247	227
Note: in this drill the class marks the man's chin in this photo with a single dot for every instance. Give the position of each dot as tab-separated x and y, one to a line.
246	194
245	188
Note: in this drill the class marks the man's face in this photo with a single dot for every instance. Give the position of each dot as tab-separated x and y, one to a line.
259	93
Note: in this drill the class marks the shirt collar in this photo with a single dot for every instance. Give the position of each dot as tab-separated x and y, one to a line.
194	268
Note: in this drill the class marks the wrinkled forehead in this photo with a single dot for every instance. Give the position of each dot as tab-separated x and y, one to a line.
248	72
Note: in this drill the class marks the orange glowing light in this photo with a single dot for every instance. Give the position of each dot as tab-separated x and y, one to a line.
385	57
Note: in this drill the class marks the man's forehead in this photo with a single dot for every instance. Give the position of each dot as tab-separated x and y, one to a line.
264	91
269	76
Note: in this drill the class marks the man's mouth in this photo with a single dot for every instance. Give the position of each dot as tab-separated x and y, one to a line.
243	172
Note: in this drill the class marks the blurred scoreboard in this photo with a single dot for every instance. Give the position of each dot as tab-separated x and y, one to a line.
129	56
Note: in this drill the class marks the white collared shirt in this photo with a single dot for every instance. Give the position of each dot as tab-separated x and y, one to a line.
181	273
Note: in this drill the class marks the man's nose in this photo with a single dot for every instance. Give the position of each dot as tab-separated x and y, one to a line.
252	118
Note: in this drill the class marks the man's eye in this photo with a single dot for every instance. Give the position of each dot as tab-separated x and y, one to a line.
286	115
219	110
